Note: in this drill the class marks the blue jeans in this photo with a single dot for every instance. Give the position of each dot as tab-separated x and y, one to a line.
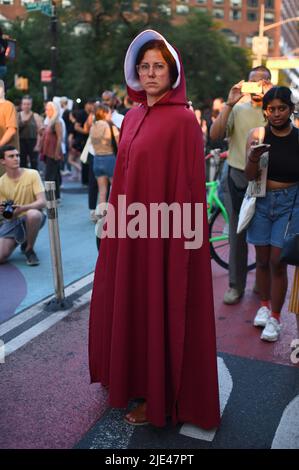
103	165
272	212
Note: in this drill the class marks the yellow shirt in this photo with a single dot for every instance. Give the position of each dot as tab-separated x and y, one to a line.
22	191
242	119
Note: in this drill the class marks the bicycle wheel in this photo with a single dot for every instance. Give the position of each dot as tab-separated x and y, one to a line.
219	241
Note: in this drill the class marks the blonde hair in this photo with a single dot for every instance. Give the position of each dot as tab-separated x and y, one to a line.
56	116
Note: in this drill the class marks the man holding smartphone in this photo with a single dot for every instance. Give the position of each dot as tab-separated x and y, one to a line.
236	120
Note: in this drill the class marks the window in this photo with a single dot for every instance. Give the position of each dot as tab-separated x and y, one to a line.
201	1
252	3
248	41
269	4
252	16
218	13
165	9
235	15
271	42
182	9
269	17
236	3
6	2
218	2
231	36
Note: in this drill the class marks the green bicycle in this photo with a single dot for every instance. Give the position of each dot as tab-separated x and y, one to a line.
219	229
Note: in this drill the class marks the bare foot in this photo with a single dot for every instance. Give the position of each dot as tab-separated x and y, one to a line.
137	417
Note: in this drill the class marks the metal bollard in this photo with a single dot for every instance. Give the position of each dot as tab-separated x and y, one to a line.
59	303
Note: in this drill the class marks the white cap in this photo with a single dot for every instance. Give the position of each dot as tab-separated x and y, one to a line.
132	52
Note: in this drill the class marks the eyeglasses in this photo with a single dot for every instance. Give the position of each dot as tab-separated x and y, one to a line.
158	67
272	109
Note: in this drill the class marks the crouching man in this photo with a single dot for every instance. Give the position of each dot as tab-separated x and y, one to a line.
22	200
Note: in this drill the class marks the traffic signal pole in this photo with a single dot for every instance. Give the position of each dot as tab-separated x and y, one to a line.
54	48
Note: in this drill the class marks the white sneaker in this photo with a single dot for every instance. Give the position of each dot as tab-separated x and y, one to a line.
262	316
271	330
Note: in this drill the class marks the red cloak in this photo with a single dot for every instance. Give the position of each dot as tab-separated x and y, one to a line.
152	328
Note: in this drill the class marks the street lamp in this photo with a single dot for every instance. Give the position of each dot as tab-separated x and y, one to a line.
260	42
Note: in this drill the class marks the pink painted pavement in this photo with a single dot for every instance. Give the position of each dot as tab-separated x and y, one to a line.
47	401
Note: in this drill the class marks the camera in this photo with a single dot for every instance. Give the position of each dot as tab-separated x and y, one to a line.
8	209
252	87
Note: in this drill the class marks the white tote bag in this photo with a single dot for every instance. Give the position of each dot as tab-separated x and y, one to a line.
246	212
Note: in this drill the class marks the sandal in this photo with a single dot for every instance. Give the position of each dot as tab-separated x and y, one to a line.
137	417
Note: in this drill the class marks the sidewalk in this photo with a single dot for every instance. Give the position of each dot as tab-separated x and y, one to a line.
22	286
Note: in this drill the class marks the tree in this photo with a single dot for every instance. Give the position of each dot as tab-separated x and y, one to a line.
211	63
91	62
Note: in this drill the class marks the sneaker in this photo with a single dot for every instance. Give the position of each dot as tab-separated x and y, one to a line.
32	259
232	296
271	330
262	316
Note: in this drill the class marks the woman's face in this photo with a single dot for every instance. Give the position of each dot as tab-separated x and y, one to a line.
49	110
278	112
154	74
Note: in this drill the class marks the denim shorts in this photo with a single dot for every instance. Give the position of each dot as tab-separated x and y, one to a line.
16	228
103	165
269	222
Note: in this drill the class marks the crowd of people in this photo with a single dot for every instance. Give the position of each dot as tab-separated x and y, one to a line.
152	330
50	145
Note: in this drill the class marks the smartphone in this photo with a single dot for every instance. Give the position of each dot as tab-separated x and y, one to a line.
252	87
258	146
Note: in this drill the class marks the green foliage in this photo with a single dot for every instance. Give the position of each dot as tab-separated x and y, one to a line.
93	61
211	63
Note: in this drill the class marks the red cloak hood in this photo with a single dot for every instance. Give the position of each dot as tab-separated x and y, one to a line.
177	95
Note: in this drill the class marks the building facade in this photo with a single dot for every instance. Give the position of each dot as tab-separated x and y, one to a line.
290	37
238	19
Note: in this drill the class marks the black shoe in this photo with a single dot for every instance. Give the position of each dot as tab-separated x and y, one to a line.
32	259
23	247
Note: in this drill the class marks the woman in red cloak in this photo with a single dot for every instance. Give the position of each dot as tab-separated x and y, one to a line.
152	327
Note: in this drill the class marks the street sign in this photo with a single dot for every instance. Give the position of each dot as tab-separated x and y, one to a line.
43	7
260	45
283	63
46	76
33	6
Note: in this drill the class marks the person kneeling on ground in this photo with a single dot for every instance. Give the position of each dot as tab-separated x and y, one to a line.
22	199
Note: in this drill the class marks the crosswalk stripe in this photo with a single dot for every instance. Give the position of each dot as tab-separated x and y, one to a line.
225	388
28	335
31	312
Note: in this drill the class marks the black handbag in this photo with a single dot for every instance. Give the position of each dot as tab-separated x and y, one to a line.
290	248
